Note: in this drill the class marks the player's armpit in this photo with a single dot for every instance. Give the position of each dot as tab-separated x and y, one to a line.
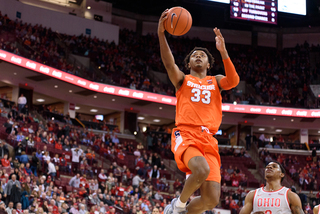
295	203
231	79
248	203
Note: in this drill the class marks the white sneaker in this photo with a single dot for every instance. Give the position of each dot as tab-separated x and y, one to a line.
173	209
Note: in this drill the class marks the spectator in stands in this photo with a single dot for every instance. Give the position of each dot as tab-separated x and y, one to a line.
22	101
177	185
276	146
156	160
268	159
102	176
51	169
5	162
82	209
140	146
230	170
136	180
234	207
115	139
292	171
76	154
3	149
269	145
11	190
94	199
314	154
75	181
24	158
154	173
18	150
10	208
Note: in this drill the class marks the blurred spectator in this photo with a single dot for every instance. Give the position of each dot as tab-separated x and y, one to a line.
22	101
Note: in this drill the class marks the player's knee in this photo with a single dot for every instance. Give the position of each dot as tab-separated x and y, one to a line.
202	172
211	203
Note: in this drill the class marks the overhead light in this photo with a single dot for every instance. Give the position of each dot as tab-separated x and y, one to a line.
40	100
292	120
319	132
156	120
14	73
95	96
274	118
94	110
113	100
88	7
140	118
77	108
70	91
278	130
160	107
235	103
261	129
135	133
144	129
52	118
56	86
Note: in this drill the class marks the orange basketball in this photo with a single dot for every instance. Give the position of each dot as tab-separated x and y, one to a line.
179	21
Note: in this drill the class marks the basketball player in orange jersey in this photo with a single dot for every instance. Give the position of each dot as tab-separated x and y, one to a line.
198	117
273	198
316	209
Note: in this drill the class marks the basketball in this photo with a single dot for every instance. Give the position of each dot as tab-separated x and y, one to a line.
179	21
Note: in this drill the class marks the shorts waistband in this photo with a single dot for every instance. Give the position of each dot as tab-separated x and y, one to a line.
203	129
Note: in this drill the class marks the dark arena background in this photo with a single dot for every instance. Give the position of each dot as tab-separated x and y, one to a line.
87	108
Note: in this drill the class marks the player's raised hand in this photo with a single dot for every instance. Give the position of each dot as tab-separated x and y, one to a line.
220	44
163	17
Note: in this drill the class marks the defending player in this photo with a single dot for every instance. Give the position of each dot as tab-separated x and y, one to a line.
316	209
198	117
273	198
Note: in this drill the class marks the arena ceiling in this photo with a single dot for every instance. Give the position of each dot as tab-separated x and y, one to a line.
208	14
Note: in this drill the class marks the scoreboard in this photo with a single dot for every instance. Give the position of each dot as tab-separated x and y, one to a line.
254	10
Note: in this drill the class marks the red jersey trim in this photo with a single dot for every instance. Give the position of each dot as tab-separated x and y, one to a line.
254	196
287	199
272	191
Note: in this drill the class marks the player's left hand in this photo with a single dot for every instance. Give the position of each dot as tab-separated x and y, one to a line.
220	44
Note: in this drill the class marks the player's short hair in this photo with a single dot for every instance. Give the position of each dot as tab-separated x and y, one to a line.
210	57
281	167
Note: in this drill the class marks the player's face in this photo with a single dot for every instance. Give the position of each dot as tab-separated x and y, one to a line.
199	59
273	170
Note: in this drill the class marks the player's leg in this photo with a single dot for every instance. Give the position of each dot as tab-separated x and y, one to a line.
210	190
200	171
209	199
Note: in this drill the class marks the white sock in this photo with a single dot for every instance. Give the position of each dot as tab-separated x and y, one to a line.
180	204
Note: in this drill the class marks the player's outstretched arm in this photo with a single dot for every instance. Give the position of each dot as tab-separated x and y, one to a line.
316	210
295	203
231	79
176	76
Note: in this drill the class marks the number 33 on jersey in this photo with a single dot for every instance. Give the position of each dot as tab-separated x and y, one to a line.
199	103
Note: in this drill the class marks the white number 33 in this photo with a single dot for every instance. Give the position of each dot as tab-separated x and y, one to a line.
197	93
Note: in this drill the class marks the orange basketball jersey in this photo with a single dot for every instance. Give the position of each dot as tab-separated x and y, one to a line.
199	103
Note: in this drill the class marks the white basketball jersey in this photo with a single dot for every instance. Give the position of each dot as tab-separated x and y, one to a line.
275	202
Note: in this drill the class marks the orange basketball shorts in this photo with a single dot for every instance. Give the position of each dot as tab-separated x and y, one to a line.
198	142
